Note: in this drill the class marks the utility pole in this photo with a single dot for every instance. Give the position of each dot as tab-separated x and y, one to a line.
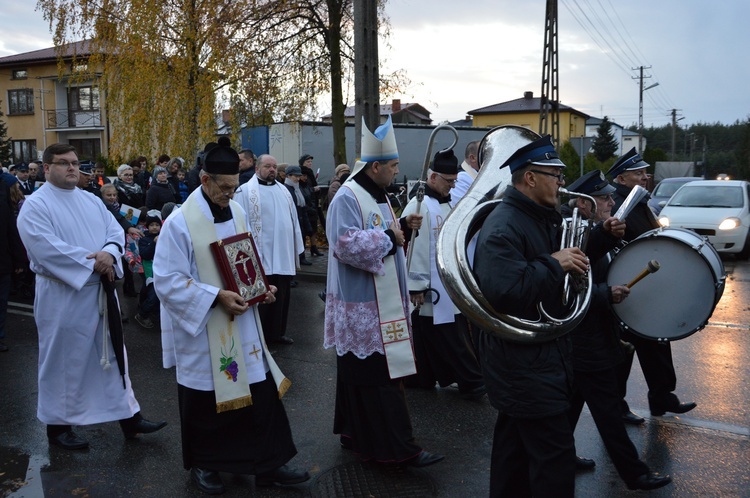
366	75
549	103
640	105
674	130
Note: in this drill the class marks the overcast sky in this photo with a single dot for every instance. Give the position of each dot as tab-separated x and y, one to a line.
466	55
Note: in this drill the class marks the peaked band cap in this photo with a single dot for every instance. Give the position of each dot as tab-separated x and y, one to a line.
629	161
445	162
222	160
592	183
540	152
381	145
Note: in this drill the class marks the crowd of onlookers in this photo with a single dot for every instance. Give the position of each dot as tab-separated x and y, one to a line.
140	198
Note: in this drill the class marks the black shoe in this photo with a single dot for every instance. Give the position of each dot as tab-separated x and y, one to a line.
314	251
424	459
293	284
475	394
207	481
3	347
652	480
670	404
305	262
283	340
69	440
142	426
631	418
322	295
283	476
584	463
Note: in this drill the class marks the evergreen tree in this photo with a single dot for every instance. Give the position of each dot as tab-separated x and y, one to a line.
6	149
604	145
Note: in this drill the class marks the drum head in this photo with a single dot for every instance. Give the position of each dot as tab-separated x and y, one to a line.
671	303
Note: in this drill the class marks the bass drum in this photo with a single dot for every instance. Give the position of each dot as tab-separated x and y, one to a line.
678	299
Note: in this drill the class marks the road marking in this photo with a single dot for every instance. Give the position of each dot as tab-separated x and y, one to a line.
21	305
728	325
735	430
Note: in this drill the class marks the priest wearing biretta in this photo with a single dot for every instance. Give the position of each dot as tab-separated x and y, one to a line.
229	386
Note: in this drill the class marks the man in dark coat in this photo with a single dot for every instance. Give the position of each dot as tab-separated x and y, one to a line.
247	165
597	349
655	357
517	265
12	254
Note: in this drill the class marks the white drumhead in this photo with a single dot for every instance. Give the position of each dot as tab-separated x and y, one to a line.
673	302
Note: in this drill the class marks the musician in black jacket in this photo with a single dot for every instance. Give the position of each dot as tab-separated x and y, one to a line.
597	349
518	264
654	356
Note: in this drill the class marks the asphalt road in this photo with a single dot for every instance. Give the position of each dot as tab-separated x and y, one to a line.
707	451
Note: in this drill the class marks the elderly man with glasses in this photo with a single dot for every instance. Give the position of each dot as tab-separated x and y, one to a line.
442	340
229	385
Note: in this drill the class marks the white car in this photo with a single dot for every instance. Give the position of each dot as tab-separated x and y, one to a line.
718	209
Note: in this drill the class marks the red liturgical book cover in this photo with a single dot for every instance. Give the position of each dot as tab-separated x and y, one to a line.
240	268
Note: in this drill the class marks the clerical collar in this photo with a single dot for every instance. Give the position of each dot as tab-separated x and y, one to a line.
431	193
371	187
263	182
219	213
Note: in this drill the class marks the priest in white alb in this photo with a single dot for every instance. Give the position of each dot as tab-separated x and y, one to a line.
229	386
367	309
441	333
83	371
275	227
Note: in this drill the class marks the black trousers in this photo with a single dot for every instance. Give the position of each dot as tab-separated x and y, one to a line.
658	370
533	457
273	317
599	391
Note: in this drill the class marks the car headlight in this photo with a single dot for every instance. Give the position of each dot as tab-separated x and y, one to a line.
664	221
730	224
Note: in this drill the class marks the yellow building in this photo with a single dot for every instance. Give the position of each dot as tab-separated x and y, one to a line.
41	108
525	112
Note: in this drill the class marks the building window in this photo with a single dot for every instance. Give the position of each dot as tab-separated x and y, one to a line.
24	151
87	149
20	101
83	98
20	74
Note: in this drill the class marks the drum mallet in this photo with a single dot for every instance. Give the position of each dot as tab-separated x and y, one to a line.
652	267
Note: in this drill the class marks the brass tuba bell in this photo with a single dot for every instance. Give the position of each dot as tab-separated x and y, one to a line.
464	222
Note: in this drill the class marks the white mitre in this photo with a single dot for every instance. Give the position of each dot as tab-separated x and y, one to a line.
378	146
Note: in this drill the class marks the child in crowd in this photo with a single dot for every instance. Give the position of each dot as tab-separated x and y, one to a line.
181	174
147	248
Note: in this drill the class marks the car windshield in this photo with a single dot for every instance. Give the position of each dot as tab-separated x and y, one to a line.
708	196
667	189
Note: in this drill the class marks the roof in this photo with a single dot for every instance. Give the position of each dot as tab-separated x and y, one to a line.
387	109
47	54
522	105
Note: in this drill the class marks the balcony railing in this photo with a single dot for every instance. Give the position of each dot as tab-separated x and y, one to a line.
64	118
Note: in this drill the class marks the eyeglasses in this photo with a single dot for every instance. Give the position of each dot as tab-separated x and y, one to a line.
227	190
127	174
446	180
560	177
67	164
605	198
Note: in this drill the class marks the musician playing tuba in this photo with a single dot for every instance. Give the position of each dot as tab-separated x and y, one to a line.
519	264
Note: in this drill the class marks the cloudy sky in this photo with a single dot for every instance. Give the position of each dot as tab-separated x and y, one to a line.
466	55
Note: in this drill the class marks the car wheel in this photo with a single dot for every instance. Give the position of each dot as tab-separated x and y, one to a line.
744	254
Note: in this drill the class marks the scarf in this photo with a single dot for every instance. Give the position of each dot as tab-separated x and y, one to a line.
299	198
129	189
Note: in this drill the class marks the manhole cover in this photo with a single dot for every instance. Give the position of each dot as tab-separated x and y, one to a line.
368	480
